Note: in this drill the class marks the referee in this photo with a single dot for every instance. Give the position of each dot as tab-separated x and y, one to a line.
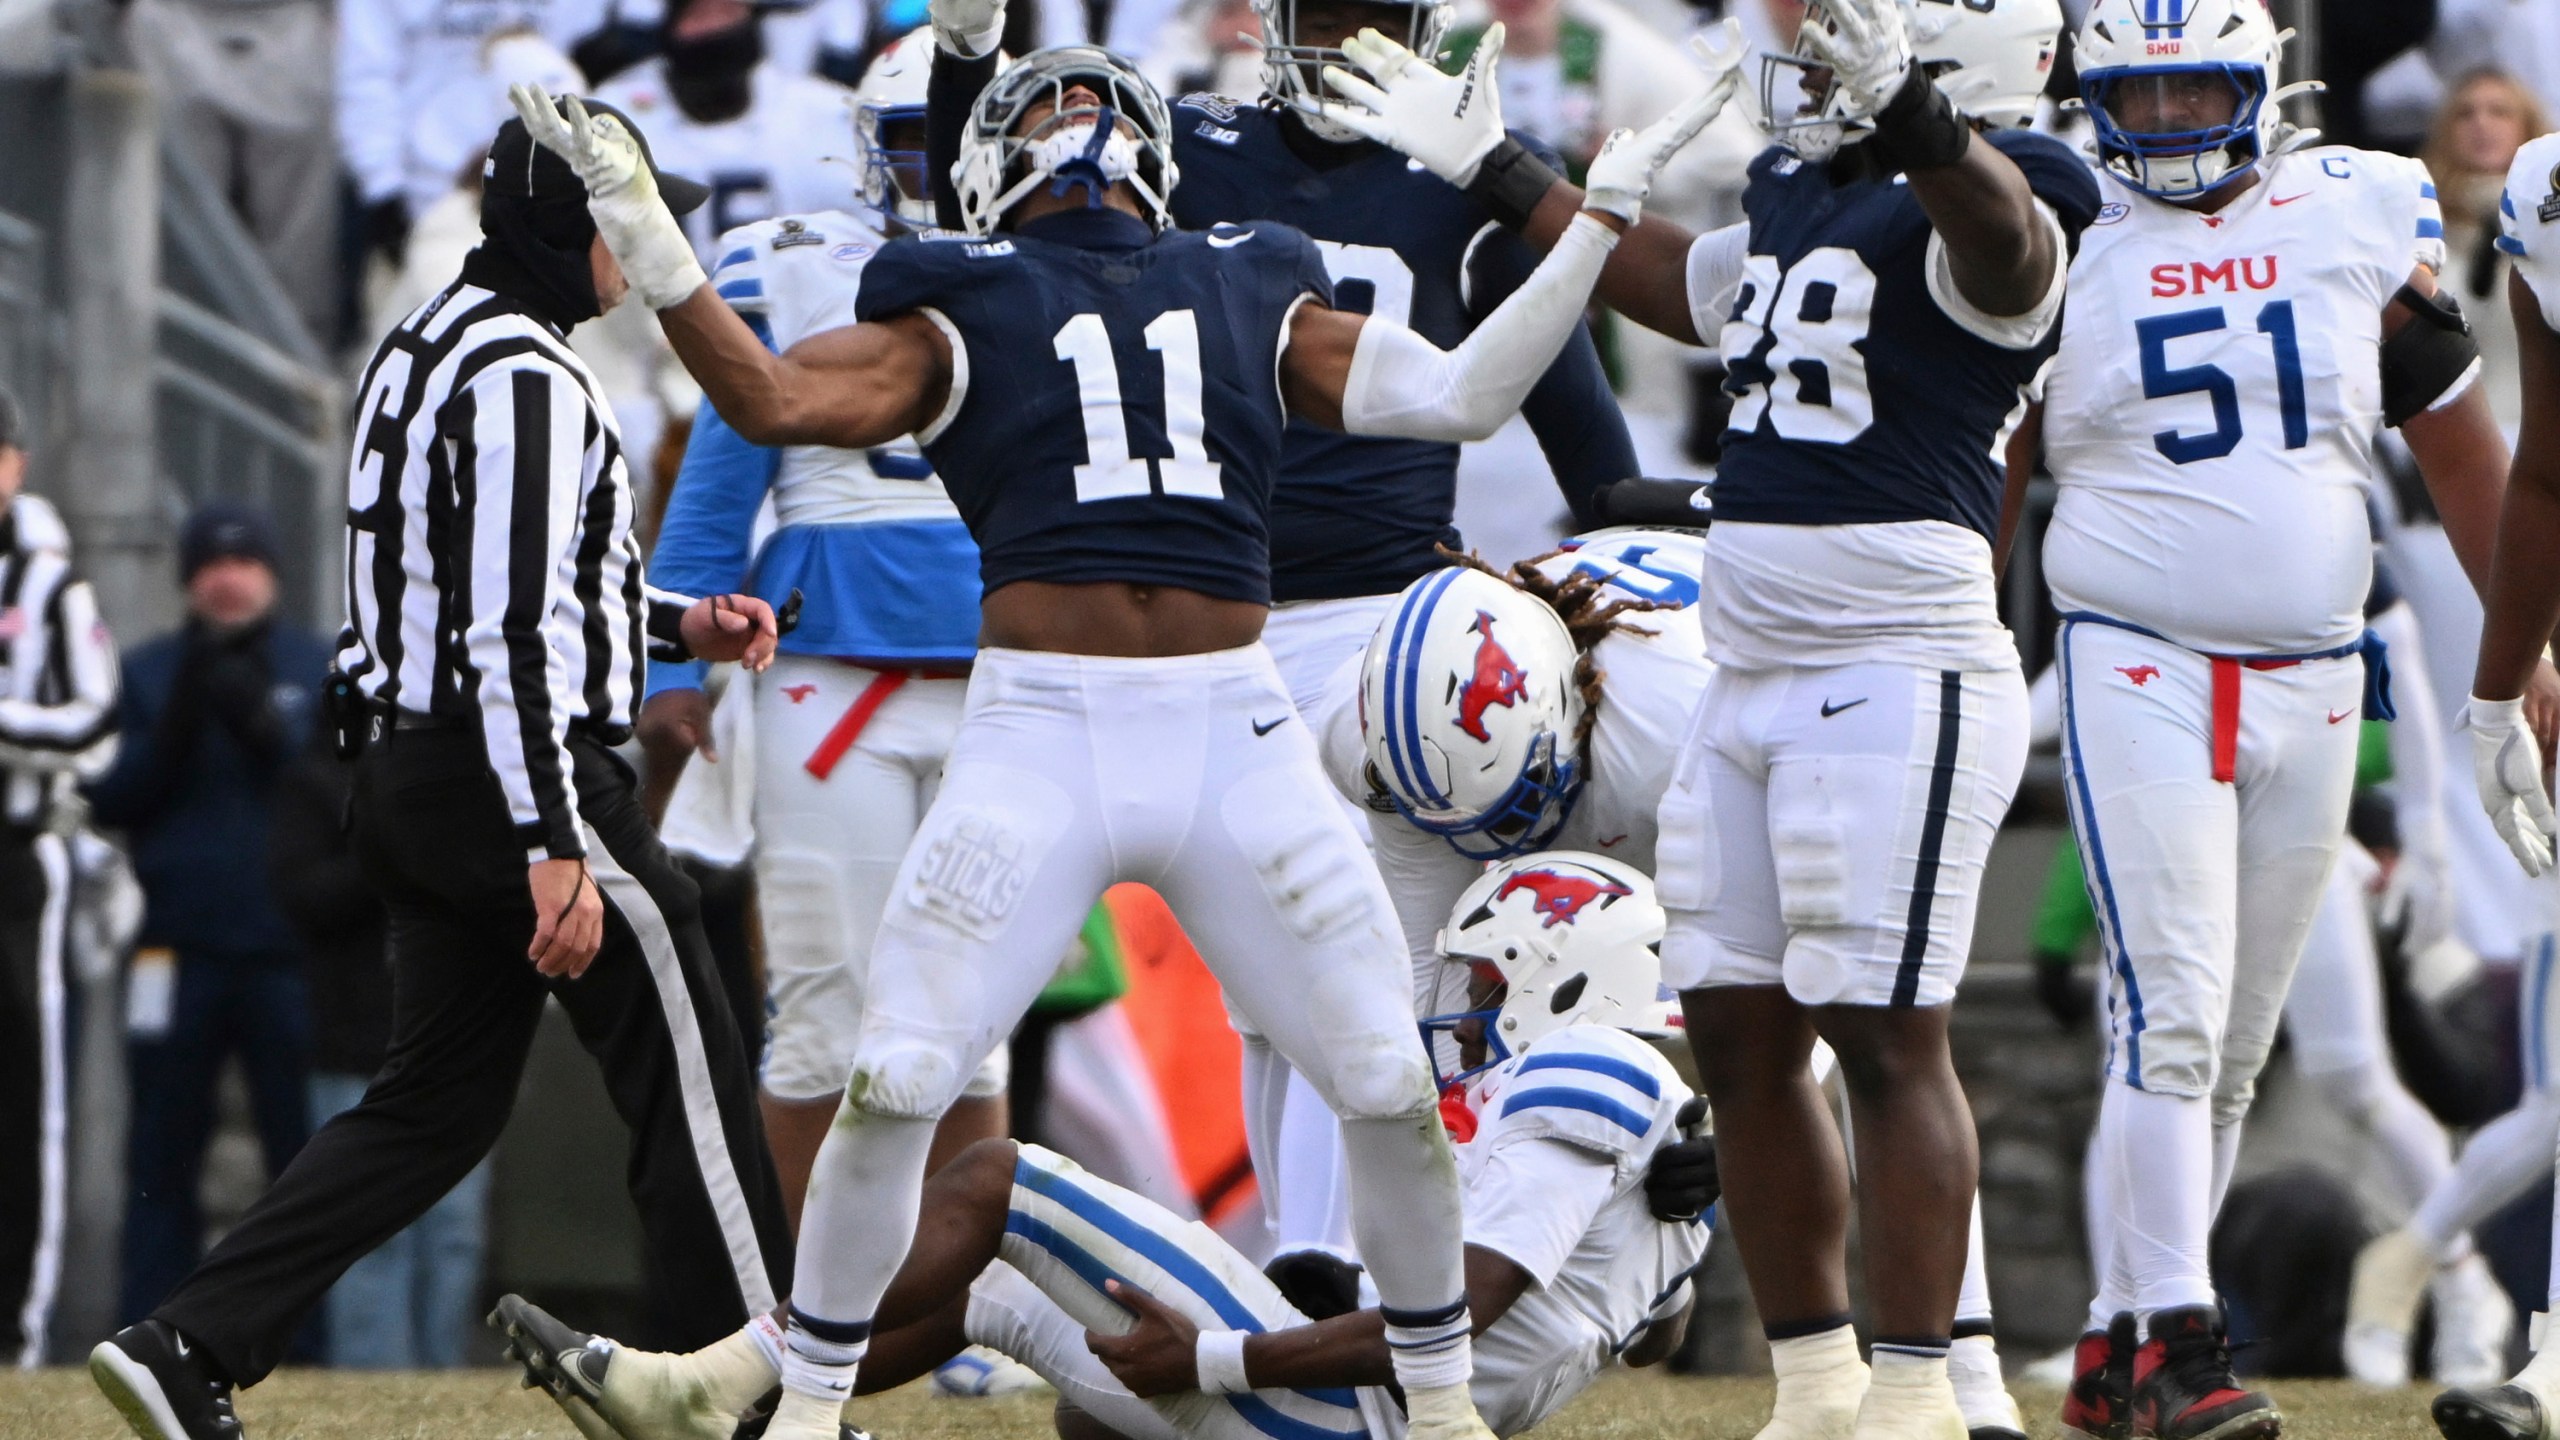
493	654
57	723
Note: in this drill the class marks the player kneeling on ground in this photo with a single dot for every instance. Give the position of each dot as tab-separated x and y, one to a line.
1583	1225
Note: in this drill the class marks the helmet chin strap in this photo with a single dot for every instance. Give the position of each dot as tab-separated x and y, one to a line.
1093	166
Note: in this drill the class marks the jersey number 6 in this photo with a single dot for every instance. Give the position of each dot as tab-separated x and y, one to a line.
1109	471
1801	329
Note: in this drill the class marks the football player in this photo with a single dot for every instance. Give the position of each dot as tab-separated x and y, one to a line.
1153	1328
2510	761
854	721
2247	314
1493	716
1104	397
1882	311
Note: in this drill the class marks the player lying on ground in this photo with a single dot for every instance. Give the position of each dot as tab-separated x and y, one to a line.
1154	1328
1125	723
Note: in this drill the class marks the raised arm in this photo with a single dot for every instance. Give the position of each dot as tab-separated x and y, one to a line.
851	387
1571	410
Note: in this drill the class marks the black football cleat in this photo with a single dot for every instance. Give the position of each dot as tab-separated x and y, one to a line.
164	1386
2099	1404
2183	1388
2489	1412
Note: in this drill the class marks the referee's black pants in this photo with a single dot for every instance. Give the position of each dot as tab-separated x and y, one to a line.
35	903
432	830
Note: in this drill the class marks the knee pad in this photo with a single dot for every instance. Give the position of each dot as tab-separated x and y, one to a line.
2179	1062
1313	870
1377	1079
904	1080
1812	861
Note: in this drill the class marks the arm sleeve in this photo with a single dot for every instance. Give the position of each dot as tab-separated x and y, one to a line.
370	125
1402	384
525	430
1571	409
76	733
949	92
1534	1200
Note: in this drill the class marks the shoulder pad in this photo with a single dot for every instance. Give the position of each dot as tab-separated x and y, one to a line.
1593	1087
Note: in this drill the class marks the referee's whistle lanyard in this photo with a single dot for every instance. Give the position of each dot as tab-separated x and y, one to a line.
2371	649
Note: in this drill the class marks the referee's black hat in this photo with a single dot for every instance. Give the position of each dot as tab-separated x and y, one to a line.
519	166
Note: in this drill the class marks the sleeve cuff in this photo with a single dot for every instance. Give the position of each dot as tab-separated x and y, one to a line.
665	675
540	844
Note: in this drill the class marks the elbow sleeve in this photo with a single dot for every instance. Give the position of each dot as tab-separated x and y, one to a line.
1402	384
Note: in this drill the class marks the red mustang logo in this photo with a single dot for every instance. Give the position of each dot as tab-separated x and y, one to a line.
1561	896
2140	675
799	693
1496	681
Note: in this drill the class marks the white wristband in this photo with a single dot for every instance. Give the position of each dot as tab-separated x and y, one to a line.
1220	1360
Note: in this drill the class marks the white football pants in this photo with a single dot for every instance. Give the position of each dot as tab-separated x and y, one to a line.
847	762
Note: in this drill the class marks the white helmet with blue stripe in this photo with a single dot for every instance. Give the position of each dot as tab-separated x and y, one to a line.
1471	713
1568	939
2145	64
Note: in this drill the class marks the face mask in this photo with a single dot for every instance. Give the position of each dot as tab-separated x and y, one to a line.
709	75
1070	157
536	251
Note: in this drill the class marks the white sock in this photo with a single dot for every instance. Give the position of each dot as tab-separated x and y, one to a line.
1817	1353
2504	1159
822	1366
766	1335
2160	1148
1314	1192
2106	1257
1404	1202
1908	1367
864	1192
2226	1158
1973	1293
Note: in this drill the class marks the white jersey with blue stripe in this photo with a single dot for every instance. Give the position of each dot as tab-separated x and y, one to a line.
2212	411
2529	221
885	567
1554	1181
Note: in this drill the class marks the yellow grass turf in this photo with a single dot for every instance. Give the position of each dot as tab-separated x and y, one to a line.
486	1405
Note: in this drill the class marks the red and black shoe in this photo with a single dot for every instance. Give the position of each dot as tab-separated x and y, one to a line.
2182	1385
2099	1404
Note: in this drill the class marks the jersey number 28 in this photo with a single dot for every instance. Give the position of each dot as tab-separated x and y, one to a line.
1804	324
1109	471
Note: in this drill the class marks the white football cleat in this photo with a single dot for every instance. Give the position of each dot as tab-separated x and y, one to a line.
1990	1411
2474	1321
2391	1277
979	1372
1821	1384
1443	1412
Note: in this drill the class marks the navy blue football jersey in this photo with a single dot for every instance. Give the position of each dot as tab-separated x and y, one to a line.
1361	515
1857	400
1118	410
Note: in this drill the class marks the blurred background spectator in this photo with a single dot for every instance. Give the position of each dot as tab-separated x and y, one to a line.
2485	119
211	716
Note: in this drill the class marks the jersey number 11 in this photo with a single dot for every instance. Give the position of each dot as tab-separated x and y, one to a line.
1109	471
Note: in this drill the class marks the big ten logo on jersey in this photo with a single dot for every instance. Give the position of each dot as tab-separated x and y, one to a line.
1111	470
1793	343
1369	280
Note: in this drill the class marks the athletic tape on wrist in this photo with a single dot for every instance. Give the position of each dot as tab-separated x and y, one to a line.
1220	1360
1510	181
1919	128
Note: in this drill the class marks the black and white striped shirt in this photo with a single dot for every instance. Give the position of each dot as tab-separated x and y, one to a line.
57	666
491	573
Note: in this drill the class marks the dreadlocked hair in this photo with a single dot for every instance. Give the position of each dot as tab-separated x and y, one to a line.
1590	615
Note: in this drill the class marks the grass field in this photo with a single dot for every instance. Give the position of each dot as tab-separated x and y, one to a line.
486	1405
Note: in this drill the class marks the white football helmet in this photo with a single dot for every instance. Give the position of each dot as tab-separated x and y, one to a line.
1470	714
1127	138
1990	57
1570	938
888	123
2132	49
1291	72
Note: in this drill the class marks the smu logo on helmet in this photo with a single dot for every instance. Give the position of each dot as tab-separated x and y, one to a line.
1496	681
1561	895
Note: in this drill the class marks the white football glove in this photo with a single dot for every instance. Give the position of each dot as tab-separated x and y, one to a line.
2507	766
1867	45
967	28
621	194
1622	174
1446	122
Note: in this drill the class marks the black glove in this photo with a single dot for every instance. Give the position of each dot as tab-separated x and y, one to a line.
1682	1181
386	228
2066	996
